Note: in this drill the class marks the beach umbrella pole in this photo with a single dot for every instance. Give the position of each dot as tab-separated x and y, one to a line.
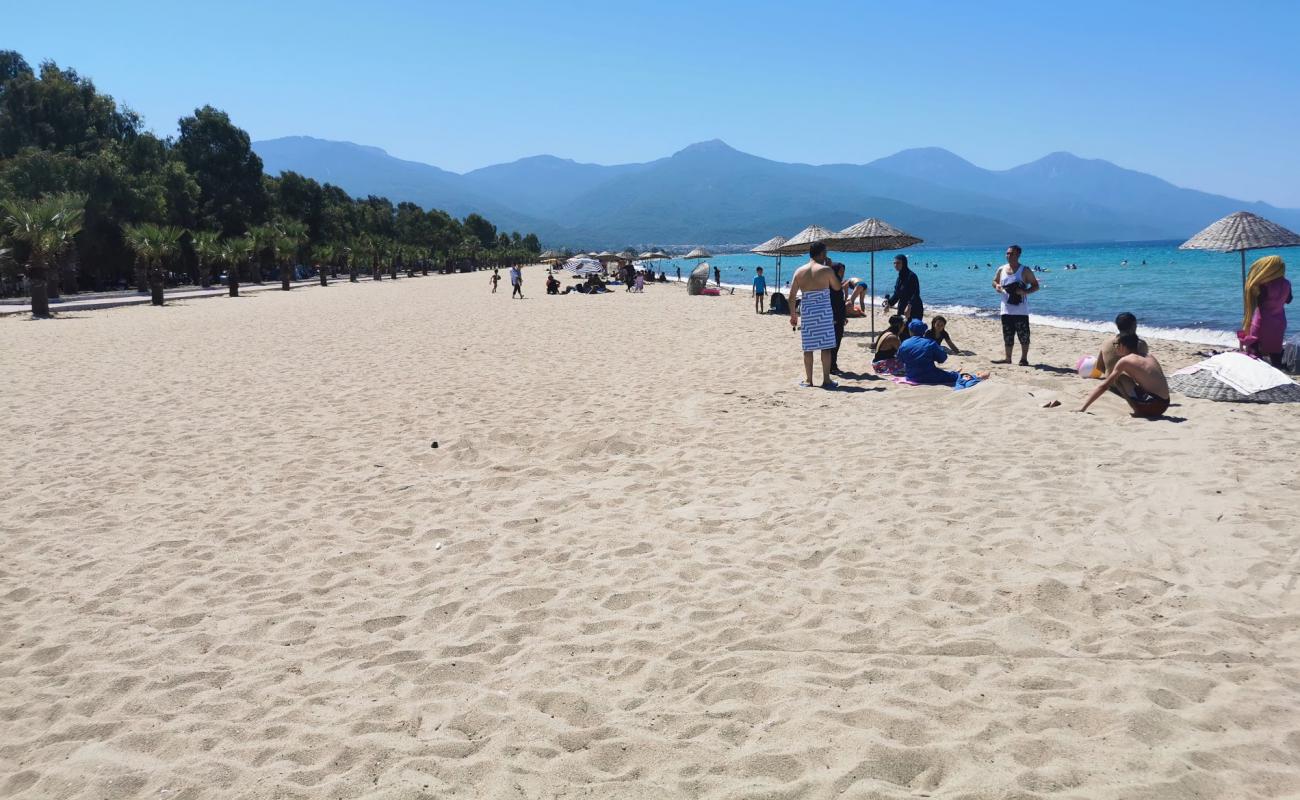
872	299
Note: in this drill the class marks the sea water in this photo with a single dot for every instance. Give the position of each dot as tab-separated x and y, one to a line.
1190	295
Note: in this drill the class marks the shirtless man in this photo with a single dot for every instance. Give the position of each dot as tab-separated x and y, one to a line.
1150	394
816	280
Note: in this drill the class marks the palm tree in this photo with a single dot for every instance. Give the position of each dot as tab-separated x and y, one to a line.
236	253
293	235
360	255
207	251
266	241
153	245
323	253
45	227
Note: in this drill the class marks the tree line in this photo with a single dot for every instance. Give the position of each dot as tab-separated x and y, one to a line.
89	199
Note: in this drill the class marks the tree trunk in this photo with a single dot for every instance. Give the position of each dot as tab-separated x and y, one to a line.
285	276
425	267
205	276
40	292
323	279
233	280
352	273
156	286
392	270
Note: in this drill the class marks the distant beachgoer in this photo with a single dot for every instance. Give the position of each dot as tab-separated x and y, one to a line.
1263	327
552	284
760	290
516	281
858	295
679	272
921	356
717	276
907	291
496	278
1109	356
816	280
1015	284
938	333
840	315
1150	395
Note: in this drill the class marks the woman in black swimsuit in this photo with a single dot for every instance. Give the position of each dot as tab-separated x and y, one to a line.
887	344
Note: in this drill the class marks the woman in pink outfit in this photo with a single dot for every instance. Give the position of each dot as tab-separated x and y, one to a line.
1267	294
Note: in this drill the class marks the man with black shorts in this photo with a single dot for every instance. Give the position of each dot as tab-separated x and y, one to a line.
1149	395
1015	284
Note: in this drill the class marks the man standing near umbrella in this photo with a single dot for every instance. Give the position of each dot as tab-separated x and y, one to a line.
817	281
907	291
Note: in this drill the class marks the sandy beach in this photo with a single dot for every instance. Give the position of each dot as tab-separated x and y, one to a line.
640	562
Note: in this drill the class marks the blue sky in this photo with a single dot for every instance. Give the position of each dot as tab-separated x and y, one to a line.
1204	94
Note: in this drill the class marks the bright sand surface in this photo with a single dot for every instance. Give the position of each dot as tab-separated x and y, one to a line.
640	564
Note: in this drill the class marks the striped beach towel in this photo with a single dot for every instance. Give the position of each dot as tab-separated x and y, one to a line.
817	320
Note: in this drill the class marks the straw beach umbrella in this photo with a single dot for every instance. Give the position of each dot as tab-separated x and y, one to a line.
697	254
1241	231
869	236
801	241
770	248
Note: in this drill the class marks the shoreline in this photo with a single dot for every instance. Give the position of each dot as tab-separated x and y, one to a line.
1203	336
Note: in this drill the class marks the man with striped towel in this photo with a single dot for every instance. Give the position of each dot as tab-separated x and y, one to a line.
816	280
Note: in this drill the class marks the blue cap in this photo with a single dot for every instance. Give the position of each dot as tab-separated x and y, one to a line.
916	327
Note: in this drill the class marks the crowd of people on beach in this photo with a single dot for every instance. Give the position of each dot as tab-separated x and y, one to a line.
909	351
821	300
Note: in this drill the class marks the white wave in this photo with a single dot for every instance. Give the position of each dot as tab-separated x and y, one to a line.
1211	336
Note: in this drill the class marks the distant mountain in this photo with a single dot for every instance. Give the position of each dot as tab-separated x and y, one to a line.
361	170
710	193
538	184
1110	202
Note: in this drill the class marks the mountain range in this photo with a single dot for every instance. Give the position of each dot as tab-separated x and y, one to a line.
710	193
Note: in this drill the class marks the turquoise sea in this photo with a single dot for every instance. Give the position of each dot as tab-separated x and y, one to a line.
1189	295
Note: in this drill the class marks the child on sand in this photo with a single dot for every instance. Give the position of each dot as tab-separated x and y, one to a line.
938	334
495	279
760	290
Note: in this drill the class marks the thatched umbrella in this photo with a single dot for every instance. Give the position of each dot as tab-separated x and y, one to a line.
697	253
1241	231
801	241
869	236
771	248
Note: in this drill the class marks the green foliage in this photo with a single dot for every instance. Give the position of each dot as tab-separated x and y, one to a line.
153	244
481	229
42	229
59	136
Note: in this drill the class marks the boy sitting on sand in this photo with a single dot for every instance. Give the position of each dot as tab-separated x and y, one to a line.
1149	397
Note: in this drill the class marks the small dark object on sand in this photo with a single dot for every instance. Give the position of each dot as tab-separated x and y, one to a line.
434	445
